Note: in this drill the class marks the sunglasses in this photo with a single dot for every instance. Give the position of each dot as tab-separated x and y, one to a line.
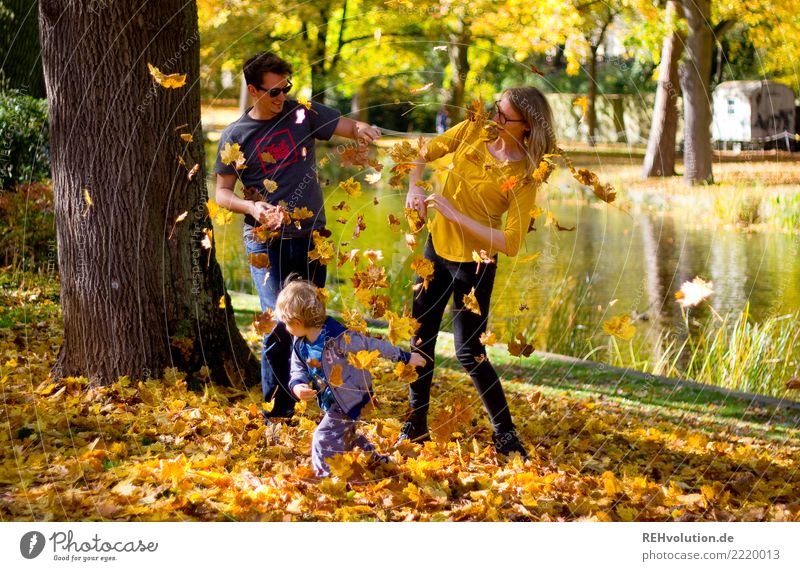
275	91
502	116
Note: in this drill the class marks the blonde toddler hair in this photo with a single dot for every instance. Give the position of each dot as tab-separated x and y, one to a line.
299	301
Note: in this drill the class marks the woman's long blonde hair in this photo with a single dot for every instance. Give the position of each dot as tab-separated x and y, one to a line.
533	106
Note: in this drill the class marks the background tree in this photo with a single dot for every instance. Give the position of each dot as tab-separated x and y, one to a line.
19	48
139	292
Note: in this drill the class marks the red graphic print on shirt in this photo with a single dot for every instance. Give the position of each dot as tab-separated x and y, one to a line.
282	148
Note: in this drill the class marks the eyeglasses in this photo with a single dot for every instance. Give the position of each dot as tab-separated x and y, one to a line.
275	91
502	116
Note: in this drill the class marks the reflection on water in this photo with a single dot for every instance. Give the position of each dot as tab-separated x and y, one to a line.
637	259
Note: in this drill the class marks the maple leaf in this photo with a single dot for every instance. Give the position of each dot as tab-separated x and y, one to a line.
335	378
471	302
411	241
373	256
415	223
509	184
342	206
259	260
401	328
323	249
187	137
265	323
341	465
489	131
403	152
405	373
620	326
304	102
535	70
169	81
267	157
355	156
424	269
231	154
354	321
363	359
518	346
394	223
425	185
360	226
544	170
270	186
373	277
301	213
488	338
351	186
694	292
793	384
323	294
604	192
373	177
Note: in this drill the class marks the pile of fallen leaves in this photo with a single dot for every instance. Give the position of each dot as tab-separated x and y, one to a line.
156	450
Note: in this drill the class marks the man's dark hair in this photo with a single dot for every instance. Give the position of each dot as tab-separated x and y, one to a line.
264	62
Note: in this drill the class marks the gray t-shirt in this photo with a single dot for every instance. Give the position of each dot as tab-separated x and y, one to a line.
282	150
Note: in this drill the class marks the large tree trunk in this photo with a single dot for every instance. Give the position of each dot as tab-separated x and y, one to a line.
138	291
457	49
19	48
660	157
591	98
695	75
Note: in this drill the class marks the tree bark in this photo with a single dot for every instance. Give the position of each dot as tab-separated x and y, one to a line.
457	49
660	157
591	98
138	291
19	48
695	75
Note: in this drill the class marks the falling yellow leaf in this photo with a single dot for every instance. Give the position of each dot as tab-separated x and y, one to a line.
488	338
620	326
87	198
351	187
270	185
265	323
471	302
401	328
519	347
170	81
405	373
259	260
335	378
222	302
363	359
187	137
231	154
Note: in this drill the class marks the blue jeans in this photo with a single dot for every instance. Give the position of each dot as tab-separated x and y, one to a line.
286	256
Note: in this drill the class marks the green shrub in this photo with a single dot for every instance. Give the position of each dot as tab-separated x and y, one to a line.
24	155
27	228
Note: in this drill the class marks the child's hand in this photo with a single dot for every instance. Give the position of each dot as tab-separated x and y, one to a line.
304	392
416	360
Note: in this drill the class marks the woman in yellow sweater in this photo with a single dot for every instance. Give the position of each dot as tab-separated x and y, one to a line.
485	181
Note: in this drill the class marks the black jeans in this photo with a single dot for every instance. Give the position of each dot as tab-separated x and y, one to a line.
457	279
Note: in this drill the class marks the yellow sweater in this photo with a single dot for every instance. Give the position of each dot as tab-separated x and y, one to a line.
481	187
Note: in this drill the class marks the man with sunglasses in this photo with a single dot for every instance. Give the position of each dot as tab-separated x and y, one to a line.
279	175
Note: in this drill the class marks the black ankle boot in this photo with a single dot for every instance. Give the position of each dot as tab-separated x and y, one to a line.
507	443
415	430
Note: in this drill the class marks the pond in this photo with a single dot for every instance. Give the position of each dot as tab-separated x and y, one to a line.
615	262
